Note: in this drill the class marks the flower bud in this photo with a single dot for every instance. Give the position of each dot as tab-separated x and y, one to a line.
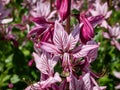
86	32
30	63
63	7
10	85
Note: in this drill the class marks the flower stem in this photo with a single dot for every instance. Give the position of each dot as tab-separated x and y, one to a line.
109	3
51	6
68	19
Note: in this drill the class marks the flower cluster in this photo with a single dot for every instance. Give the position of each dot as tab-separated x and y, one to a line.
72	48
67	36
5	19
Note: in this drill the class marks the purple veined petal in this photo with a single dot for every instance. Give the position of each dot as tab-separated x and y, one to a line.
87	82
50	48
43	77
42	9
105	7
84	50
20	26
108	14
55	87
52	14
106	35
44	63
73	37
35	86
94	13
66	60
50	80
36	30
5	13
96	86
63	84
41	63
110	30
117	44
25	18
99	88
116	74
97	4
92	55
4	2
95	20
47	35
60	36
100	11
77	4
74	84
39	20
114	31
104	24
52	62
10	37
77	49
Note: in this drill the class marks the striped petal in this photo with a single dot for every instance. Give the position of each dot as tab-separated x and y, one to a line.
60	36
73	37
84	50
44	63
50	48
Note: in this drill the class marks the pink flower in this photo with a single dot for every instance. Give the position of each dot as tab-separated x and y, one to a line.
45	63
4	13
85	82
113	34
4	2
92	55
101	9
6	34
76	4
63	45
115	4
23	25
42	31
42	9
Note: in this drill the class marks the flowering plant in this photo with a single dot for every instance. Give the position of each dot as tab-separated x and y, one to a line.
74	44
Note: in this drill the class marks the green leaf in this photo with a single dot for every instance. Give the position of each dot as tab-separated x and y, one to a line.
15	79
